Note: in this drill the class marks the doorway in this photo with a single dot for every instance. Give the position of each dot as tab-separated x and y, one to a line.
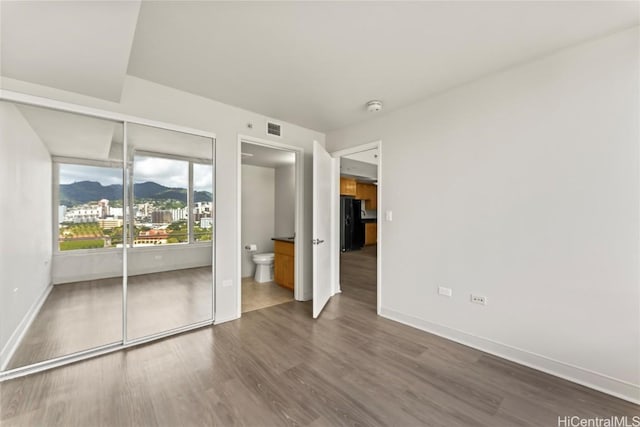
269	176
358	231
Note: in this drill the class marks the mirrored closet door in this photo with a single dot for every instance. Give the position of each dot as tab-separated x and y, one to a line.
107	234
170	259
62	225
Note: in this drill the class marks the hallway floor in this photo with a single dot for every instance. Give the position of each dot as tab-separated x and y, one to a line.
358	274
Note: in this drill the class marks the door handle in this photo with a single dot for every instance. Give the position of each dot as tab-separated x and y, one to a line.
317	241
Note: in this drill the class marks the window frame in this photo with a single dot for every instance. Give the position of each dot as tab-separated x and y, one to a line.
128	186
57	161
190	202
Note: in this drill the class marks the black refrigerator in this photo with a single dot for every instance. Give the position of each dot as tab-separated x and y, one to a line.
351	225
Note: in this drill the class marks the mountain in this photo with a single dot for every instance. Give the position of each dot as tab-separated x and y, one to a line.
91	191
88	191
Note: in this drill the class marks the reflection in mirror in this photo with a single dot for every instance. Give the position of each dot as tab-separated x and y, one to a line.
170	263
62	222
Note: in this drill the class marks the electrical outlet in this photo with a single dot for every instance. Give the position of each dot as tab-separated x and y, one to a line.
444	291
478	299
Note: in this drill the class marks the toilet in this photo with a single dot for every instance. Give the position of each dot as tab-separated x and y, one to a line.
264	267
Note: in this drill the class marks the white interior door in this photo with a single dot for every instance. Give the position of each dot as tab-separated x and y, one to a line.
323	167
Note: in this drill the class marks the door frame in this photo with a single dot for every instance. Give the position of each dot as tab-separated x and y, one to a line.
336	237
298	287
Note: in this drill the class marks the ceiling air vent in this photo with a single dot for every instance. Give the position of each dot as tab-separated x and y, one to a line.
274	129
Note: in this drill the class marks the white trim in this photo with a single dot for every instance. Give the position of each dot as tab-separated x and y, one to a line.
238	228
380	219
116	250
21	98
214	226
335	224
336	212
299	287
18	334
588	378
127	213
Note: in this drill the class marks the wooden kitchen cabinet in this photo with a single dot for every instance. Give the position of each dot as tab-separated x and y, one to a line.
372	201
284	264
368	193
370	233
348	187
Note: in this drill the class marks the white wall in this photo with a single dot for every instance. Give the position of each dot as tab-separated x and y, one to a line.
25	224
150	100
258	211
285	209
76	266
523	187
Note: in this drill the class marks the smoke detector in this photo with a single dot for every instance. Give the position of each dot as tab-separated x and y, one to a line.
374	106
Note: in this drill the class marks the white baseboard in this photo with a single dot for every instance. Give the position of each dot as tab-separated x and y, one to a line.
597	381
18	334
85	278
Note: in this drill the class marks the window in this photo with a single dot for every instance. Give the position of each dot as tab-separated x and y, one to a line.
171	203
90	214
160	201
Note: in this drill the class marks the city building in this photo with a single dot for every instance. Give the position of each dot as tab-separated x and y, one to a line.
161	217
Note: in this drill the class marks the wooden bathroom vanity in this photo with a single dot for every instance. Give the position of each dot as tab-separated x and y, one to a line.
284	261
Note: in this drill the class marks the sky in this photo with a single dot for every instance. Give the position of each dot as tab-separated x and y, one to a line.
74	173
167	172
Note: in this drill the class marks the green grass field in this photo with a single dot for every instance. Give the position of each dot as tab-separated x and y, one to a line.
81	244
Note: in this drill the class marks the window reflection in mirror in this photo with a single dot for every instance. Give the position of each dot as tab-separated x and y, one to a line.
203	202
160	205
90	209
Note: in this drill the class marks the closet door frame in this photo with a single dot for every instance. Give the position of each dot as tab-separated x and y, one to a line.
24	99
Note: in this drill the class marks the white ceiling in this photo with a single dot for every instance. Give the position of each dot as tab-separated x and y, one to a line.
367	156
310	63
266	157
317	63
80	46
163	141
73	135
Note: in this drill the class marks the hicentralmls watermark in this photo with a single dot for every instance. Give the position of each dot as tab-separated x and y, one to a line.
613	421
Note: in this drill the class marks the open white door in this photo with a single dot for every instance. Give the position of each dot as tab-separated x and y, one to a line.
323	166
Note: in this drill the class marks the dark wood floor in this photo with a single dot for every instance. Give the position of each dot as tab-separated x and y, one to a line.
358	275
277	366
